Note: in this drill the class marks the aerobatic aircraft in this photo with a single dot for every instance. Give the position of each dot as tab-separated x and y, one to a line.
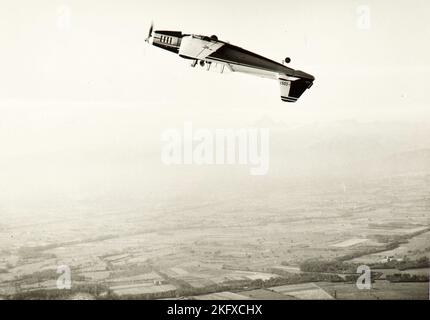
207	51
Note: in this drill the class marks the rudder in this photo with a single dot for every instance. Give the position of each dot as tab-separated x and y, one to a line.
291	90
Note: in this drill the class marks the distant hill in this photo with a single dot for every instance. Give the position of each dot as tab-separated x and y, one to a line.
414	161
351	147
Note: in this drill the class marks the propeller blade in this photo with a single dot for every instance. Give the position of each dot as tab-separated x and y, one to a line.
150	31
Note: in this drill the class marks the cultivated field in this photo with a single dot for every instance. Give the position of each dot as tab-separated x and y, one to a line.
224	244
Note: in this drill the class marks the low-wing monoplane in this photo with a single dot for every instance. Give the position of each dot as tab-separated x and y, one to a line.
206	51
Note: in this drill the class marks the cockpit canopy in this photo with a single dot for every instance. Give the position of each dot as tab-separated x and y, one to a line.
212	38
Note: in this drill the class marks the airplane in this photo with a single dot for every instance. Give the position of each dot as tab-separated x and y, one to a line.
205	51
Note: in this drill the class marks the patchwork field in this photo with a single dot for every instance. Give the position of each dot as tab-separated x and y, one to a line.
307	291
226	245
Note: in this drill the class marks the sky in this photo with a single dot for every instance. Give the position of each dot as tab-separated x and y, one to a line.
84	98
370	58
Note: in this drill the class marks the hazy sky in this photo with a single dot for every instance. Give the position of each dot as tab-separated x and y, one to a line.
57	50
82	96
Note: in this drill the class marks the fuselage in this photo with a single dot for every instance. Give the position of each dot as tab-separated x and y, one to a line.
200	48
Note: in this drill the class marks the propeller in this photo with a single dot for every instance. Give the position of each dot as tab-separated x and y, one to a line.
150	31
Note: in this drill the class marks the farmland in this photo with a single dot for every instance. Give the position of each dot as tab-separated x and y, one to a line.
229	245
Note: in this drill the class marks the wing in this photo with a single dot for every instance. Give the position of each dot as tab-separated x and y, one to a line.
242	60
293	82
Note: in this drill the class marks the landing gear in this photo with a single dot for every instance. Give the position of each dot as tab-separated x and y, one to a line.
214	38
287	60
202	63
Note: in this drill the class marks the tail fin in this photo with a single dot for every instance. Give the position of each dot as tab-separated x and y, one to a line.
291	90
